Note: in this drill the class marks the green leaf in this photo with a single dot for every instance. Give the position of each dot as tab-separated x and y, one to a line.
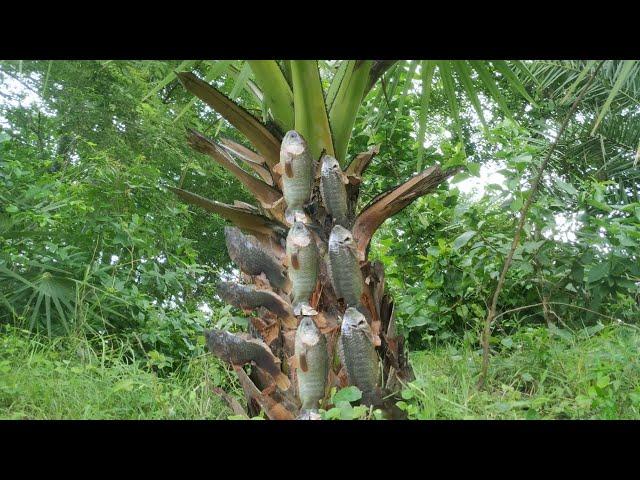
336	81
603	381
449	89
566	187
347	394
464	75
426	73
490	83
598	271
277	92
311	119
583	74
403	97
462	240
342	114
502	67
240	82
507	342
621	79
185	65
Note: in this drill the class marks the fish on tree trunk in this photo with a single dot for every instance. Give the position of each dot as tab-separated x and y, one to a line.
321	317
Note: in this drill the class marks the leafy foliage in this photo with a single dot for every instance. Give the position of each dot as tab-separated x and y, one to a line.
93	246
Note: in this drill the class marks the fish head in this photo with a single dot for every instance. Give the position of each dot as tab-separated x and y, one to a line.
308	331
215	340
293	143
330	164
341	236
299	234
353	320
232	235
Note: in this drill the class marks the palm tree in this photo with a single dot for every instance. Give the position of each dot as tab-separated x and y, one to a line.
322	119
297	103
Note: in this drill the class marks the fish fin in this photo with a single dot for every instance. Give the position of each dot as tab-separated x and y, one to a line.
345	179
304	366
295	263
294	362
282	381
290	322
288	168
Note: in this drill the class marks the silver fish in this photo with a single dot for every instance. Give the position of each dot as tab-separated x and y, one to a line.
311	349
248	297
302	253
359	356
344	267
333	191
253	258
239	351
298	171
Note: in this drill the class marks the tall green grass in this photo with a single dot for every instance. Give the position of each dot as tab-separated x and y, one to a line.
73	378
537	373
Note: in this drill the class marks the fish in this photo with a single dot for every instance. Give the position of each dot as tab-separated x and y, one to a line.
344	267
333	191
302	253
248	297
313	360
298	171
237	351
359	356
254	258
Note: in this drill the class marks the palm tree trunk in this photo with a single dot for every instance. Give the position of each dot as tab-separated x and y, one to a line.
259	248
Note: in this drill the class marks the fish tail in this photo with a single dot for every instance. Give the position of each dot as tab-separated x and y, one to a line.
282	381
293	214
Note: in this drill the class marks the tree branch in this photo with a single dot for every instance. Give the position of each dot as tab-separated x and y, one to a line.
516	239
257	133
266	194
255	161
391	202
243	217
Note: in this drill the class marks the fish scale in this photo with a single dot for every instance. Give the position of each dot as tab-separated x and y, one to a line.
313	345
297	178
239	351
359	355
333	191
247	252
248	297
301	243
344	267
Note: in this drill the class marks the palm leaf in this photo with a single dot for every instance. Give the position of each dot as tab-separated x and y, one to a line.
256	132
347	102
311	119
621	78
277	93
426	72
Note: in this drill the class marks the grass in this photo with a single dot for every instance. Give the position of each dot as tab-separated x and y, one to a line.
536	373
71	379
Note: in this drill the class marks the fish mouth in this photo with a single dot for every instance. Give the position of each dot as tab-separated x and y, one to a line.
293	143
